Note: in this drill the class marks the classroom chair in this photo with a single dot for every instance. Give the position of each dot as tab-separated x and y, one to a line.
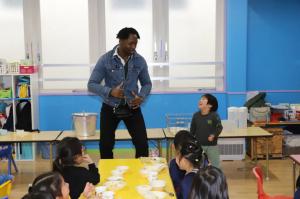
6	152
257	171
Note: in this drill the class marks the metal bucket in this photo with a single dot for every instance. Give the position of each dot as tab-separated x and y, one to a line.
84	124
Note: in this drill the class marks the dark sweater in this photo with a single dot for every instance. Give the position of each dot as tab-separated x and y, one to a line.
203	126
77	177
186	185
177	176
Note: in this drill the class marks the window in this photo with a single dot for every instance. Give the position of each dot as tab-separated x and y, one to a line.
12	45
182	40
130	13
193	52
65	44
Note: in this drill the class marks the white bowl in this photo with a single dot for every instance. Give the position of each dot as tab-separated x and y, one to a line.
115	185
146	172
100	189
117	172
122	168
143	189
115	178
108	195
158	185
159	194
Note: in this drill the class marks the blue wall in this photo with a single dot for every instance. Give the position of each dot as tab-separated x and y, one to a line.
262	42
56	111
273	55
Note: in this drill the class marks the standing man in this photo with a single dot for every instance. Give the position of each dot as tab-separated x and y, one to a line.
121	68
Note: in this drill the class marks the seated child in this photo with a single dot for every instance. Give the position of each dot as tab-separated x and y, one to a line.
189	159
176	173
209	182
51	185
69	160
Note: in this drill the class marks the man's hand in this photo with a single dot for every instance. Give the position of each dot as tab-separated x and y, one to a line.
118	91
136	102
211	138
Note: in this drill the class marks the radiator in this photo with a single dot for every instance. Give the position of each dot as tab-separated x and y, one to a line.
232	148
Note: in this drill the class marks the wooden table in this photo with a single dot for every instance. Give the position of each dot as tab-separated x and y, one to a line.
155	134
43	136
132	177
250	132
296	161
277	123
54	136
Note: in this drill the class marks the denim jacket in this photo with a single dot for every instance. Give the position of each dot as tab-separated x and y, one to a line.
110	69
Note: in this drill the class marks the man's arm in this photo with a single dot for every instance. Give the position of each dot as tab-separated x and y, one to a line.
94	83
145	81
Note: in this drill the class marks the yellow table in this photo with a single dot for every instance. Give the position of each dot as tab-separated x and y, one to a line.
132	177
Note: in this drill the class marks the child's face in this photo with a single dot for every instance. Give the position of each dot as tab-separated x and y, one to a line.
79	158
180	161
203	104
65	189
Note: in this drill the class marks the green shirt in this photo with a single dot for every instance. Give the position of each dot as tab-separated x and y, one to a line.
203	126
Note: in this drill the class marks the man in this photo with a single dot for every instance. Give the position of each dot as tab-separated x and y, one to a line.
121	68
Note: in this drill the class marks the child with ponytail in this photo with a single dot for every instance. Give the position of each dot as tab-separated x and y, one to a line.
76	167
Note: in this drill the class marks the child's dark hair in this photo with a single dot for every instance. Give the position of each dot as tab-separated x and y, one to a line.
182	136
66	150
38	195
125	32
298	182
50	183
211	100
192	152
209	182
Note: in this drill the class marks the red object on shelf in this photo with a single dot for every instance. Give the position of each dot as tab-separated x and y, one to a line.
275	116
28	69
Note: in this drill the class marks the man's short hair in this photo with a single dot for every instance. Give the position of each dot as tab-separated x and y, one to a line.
125	32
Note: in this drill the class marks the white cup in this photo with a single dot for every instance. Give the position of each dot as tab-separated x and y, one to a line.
100	189
108	195
157	185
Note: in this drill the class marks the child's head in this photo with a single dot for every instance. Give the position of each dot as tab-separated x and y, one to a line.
189	156
180	137
51	183
69	151
208	102
38	195
209	182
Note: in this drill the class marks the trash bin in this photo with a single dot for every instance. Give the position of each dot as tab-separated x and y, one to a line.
84	124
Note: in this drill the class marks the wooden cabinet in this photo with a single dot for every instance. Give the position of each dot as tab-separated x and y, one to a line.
259	147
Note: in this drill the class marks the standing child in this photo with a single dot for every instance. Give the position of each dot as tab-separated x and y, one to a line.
206	127
70	162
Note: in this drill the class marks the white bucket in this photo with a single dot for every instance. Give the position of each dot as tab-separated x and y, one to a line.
84	123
